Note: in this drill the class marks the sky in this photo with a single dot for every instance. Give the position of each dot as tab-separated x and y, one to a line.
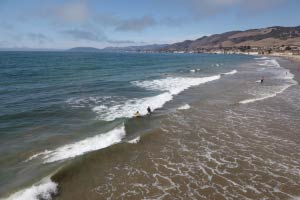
63	24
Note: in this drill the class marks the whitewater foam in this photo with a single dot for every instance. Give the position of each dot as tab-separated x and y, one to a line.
282	89
135	140
184	107
269	63
195	70
174	85
129	107
81	102
288	78
231	72
87	145
262	58
37	155
45	189
170	87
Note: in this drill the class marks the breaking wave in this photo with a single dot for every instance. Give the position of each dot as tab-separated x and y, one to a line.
45	190
262	58
79	148
135	140
170	87
269	63
231	72
184	107
277	91
265	92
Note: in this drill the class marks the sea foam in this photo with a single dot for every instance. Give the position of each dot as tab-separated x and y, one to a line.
266	96
45	189
231	72
274	90
261	58
78	148
269	63
184	107
135	140
169	87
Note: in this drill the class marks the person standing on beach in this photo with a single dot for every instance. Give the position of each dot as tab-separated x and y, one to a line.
149	110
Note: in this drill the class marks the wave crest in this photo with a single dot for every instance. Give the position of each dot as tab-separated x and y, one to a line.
79	148
170	87
43	190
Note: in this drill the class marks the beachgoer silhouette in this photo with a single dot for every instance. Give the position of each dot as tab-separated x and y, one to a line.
137	114
149	110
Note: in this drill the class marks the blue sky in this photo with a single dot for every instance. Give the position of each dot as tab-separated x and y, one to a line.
62	24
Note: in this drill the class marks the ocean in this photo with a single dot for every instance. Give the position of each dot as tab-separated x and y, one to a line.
67	129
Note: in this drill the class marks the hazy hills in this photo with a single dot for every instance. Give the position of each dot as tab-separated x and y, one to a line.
153	47
265	37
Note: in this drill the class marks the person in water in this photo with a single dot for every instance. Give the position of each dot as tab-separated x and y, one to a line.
149	110
137	114
262	79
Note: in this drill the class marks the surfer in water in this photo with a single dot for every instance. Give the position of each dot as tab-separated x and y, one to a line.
137	114
149	110
262	79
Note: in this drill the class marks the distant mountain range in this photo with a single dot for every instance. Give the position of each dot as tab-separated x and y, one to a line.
153	47
84	49
264	37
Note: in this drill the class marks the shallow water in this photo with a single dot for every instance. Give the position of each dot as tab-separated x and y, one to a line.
216	134
217	149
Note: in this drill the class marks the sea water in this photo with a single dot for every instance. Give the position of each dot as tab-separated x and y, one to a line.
57	106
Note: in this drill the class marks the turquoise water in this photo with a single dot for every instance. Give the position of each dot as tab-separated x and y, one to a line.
57	105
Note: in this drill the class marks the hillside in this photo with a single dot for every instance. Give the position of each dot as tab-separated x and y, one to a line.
144	48
152	47
84	49
263	38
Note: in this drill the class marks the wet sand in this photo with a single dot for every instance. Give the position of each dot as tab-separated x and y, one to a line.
217	149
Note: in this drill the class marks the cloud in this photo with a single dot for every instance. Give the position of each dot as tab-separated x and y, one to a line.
122	42
86	35
207	8
80	12
64	13
79	34
38	37
73	12
136	24
6	26
171	21
4	43
261	5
